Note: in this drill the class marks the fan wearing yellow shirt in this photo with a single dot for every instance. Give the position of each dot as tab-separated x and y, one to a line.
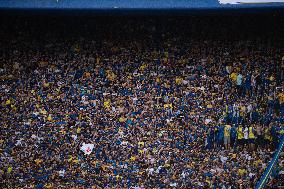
227	136
9	170
209	106
240	135
107	104
49	118
78	130
8	102
132	158
242	171
178	80
122	119
46	84
38	161
48	186
267	135
95	187
233	77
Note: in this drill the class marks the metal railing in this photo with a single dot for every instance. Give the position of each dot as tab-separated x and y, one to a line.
262	182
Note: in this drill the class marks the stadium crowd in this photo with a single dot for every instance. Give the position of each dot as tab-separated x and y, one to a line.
163	109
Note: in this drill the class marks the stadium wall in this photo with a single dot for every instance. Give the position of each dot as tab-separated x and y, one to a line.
139	4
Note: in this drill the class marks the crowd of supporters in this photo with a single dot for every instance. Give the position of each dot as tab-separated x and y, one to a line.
166	104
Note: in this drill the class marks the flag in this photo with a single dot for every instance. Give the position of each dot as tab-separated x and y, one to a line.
249	1
87	148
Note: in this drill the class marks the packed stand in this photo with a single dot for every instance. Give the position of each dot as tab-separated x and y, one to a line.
156	105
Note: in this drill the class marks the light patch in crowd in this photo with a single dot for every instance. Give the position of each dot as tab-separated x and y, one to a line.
87	148
249	1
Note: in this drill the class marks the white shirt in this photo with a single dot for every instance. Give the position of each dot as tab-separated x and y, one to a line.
184	174
62	172
74	137
151	171
251	175
246	133
173	184
158	169
19	142
223	159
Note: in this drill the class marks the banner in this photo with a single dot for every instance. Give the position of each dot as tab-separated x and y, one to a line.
249	1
